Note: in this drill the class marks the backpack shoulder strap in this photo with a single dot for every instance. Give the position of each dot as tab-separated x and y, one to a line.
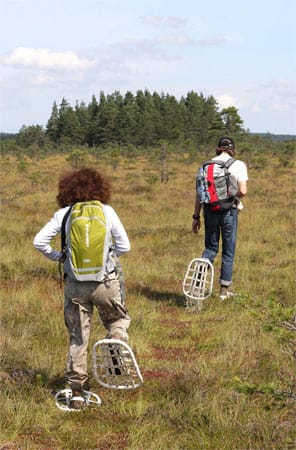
214	161
63	229
206	164
229	162
221	163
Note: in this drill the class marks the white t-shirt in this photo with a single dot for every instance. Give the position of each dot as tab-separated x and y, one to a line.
53	227
238	168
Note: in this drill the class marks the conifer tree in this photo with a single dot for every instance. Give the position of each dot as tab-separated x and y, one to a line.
232	121
53	123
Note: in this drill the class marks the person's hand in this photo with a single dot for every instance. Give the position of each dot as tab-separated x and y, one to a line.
62	258
195	225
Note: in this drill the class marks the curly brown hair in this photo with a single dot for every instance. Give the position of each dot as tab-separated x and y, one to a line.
83	185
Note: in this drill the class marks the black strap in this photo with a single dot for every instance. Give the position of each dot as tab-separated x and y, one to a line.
229	162
63	229
221	163
120	274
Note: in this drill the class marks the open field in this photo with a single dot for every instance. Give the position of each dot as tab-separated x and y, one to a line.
221	379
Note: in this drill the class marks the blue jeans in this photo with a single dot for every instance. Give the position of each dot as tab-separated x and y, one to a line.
224	224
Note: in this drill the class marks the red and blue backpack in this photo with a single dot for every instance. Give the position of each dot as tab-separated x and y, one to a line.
216	186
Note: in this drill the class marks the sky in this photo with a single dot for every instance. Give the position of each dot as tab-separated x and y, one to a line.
242	52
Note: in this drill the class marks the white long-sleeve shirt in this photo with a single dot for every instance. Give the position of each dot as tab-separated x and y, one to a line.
53	227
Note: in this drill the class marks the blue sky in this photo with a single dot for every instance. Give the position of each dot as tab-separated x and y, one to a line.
242	52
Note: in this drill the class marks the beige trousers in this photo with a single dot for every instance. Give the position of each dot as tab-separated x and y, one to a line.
80	299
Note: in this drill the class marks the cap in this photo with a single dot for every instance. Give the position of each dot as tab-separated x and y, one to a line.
227	142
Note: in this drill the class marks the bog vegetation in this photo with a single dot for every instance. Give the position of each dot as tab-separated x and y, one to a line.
220	379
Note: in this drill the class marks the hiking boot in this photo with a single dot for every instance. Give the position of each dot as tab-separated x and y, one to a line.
225	292
120	335
77	400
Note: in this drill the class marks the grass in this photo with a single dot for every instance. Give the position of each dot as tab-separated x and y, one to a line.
220	379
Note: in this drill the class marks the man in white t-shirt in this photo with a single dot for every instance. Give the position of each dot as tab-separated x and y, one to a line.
223	222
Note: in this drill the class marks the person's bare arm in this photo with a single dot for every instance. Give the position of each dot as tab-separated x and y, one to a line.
196	222
242	185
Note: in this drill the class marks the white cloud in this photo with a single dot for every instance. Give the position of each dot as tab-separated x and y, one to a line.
225	101
42	58
178	40
43	78
184	40
269	105
274	96
255	109
212	40
135	50
164	21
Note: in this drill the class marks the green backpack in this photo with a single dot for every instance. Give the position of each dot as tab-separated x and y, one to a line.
86	240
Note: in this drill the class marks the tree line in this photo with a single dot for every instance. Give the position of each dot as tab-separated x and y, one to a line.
141	119
134	124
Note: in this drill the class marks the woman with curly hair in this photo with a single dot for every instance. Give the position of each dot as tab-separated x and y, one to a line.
80	297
